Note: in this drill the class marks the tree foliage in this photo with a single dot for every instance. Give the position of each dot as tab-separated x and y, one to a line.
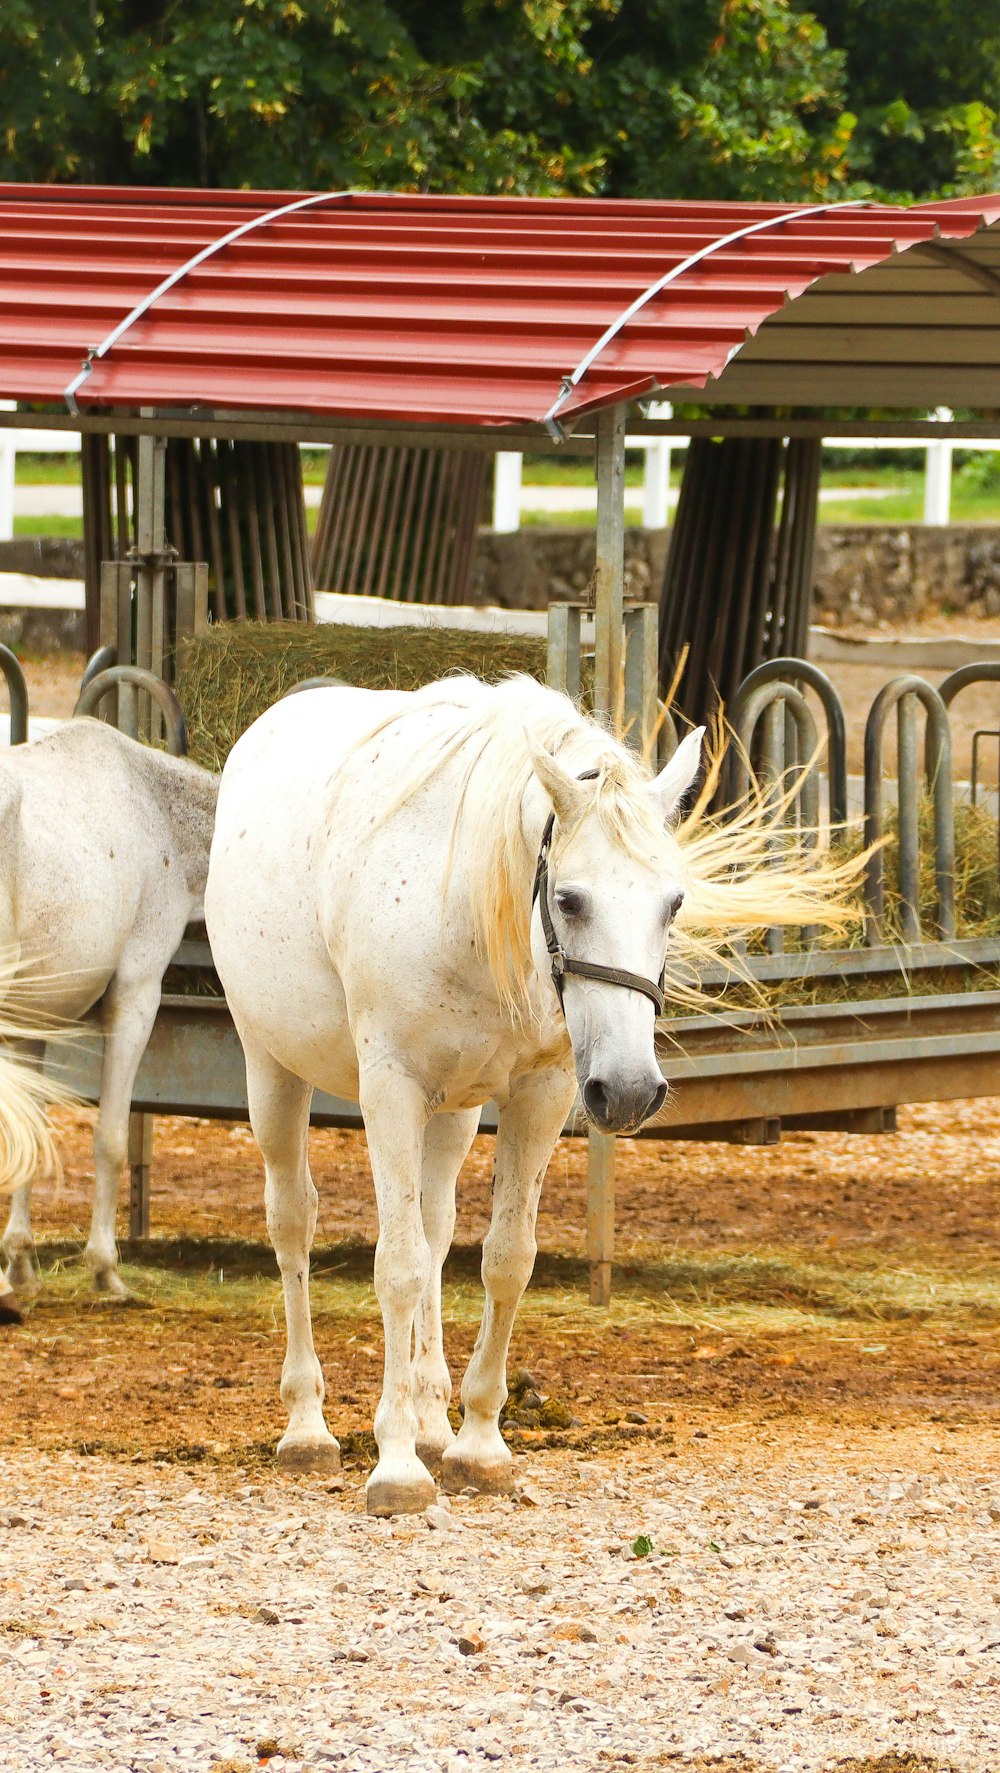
709	98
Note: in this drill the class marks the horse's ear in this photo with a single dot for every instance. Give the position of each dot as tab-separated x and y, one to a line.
564	791
670	786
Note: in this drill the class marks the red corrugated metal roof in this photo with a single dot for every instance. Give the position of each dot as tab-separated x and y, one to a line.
424	309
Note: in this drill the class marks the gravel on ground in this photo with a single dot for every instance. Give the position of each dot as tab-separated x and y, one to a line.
792	1605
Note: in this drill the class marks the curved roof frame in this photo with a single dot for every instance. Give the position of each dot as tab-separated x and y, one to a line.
465	315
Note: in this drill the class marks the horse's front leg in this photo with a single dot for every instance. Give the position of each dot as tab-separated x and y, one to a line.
395	1115
446	1145
529	1126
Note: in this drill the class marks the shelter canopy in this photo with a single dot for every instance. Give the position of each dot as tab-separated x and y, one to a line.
437	311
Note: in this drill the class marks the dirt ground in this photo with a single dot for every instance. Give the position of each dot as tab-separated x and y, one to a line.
833	1278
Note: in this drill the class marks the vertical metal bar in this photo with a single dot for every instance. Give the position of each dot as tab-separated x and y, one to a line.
908	816
641	664
122	522
939	777
403	532
563	661
266	492
444	577
191	593
251	500
609	568
396	465
772	773
231	507
210	469
352	456
150	498
600	1214
108	631
467	522
324	519
279	476
306	606
426	463
140	1162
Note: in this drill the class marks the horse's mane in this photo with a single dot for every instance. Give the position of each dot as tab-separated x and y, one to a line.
733	879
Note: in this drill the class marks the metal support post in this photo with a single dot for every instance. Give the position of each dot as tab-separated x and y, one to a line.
151	565
609	570
140	1162
563	662
642	646
609	688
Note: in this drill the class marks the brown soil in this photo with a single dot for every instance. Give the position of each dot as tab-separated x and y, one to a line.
53	683
169	1381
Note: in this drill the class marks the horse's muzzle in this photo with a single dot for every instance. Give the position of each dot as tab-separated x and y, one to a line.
618	1107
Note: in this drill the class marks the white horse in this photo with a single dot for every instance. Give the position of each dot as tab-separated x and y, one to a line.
369	906
103	858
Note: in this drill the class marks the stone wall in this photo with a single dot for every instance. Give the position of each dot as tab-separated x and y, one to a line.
864	573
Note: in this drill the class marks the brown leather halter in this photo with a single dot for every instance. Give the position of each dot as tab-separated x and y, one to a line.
562	963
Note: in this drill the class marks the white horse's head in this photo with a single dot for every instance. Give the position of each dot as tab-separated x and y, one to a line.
611	905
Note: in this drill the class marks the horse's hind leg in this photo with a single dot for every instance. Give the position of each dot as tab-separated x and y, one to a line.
446	1144
279	1114
18	1238
396	1117
530	1124
129	1011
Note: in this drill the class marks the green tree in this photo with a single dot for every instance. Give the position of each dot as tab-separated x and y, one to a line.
700	98
924	78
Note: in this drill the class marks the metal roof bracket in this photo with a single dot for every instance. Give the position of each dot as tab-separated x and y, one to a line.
95	353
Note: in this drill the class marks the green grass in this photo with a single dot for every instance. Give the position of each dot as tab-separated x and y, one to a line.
765	1291
48	526
47	470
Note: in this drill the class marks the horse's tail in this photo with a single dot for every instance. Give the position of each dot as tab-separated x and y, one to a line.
27	1148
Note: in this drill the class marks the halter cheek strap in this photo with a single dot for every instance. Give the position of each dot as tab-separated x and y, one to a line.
561	962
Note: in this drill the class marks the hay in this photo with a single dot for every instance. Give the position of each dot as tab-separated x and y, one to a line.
228	677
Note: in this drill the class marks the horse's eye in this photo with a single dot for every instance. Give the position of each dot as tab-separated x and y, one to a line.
672	906
569	901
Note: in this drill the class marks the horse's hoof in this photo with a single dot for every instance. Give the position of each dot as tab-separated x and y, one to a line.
432	1453
494	1477
309	1455
110	1288
22	1276
410	1491
10	1310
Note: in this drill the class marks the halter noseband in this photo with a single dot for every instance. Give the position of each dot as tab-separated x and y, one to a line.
562	963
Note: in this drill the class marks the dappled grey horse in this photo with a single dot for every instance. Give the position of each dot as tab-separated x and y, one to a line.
104	848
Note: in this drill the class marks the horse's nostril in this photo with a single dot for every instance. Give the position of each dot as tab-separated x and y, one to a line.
595	1099
656	1102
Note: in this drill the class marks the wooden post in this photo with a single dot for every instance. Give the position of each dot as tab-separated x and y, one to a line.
609	612
140	1160
601	1150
